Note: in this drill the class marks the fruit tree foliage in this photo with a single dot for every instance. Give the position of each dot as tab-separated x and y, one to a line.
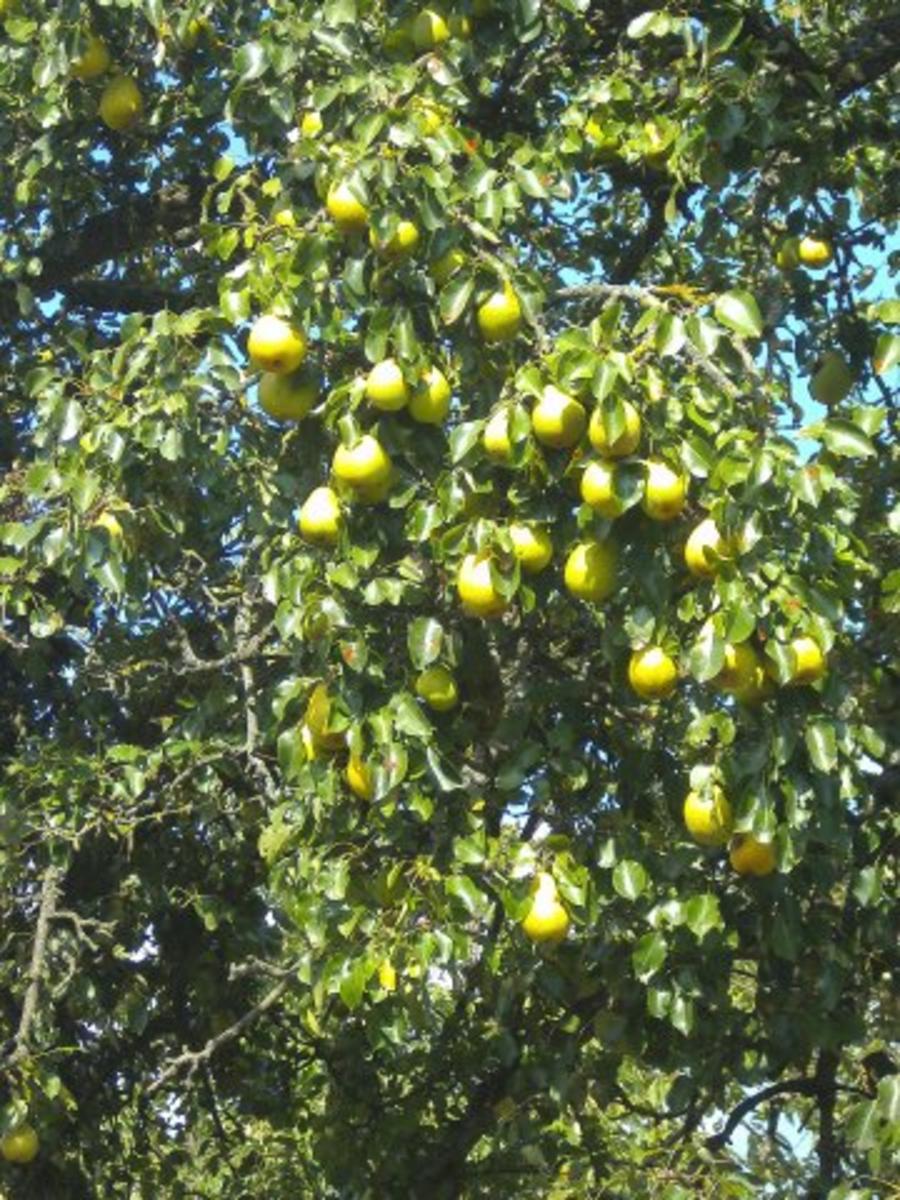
223	972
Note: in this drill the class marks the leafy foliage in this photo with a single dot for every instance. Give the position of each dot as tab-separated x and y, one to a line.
261	901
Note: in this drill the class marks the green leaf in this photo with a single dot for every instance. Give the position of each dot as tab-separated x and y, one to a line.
649	955
463	438
889	1099
463	889
702	914
738	310
822	745
707	655
630	879
250	62
424	638
885	310
886	354
455	297
445	777
354	979
862	1125
409	718
846	440
681	1014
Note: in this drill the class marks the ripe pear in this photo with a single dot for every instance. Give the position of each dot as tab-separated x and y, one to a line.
815	252
429	29
652	673
627	441
708	817
275	346
751	857
476	588
437	687
495	439
20	1145
590	571
430	402
345	208
288	397
558	420
500	316
665	491
320	516
121	103
531	546
547	919
809	663
598	489
93	61
385	386
704	548
365	464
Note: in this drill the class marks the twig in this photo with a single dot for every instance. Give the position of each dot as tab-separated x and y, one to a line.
192	1059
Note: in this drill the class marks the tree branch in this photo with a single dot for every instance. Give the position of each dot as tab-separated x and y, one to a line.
46	913
801	1087
192	1059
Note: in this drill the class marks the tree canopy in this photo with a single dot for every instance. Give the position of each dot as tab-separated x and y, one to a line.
448	599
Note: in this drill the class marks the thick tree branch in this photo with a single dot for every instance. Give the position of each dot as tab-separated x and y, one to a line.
139	222
115	295
46	913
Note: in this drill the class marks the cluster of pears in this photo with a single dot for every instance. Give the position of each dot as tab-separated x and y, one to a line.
832	380
710	822
121	103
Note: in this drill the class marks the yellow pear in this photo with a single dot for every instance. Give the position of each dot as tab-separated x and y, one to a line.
430	402
311	123
743	674
652	673
751	857
627	441
437	687
345	208
359	778
708	816
704	548
476	587
787	256
93	60
320	516
598	489
665	491
402	241
590	571
120	103
531	546
815	252
429	29
808	660
363	465
288	397
20	1145
496	439
385	386
500	316
446	265
547	919
387	976
558	420
275	346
